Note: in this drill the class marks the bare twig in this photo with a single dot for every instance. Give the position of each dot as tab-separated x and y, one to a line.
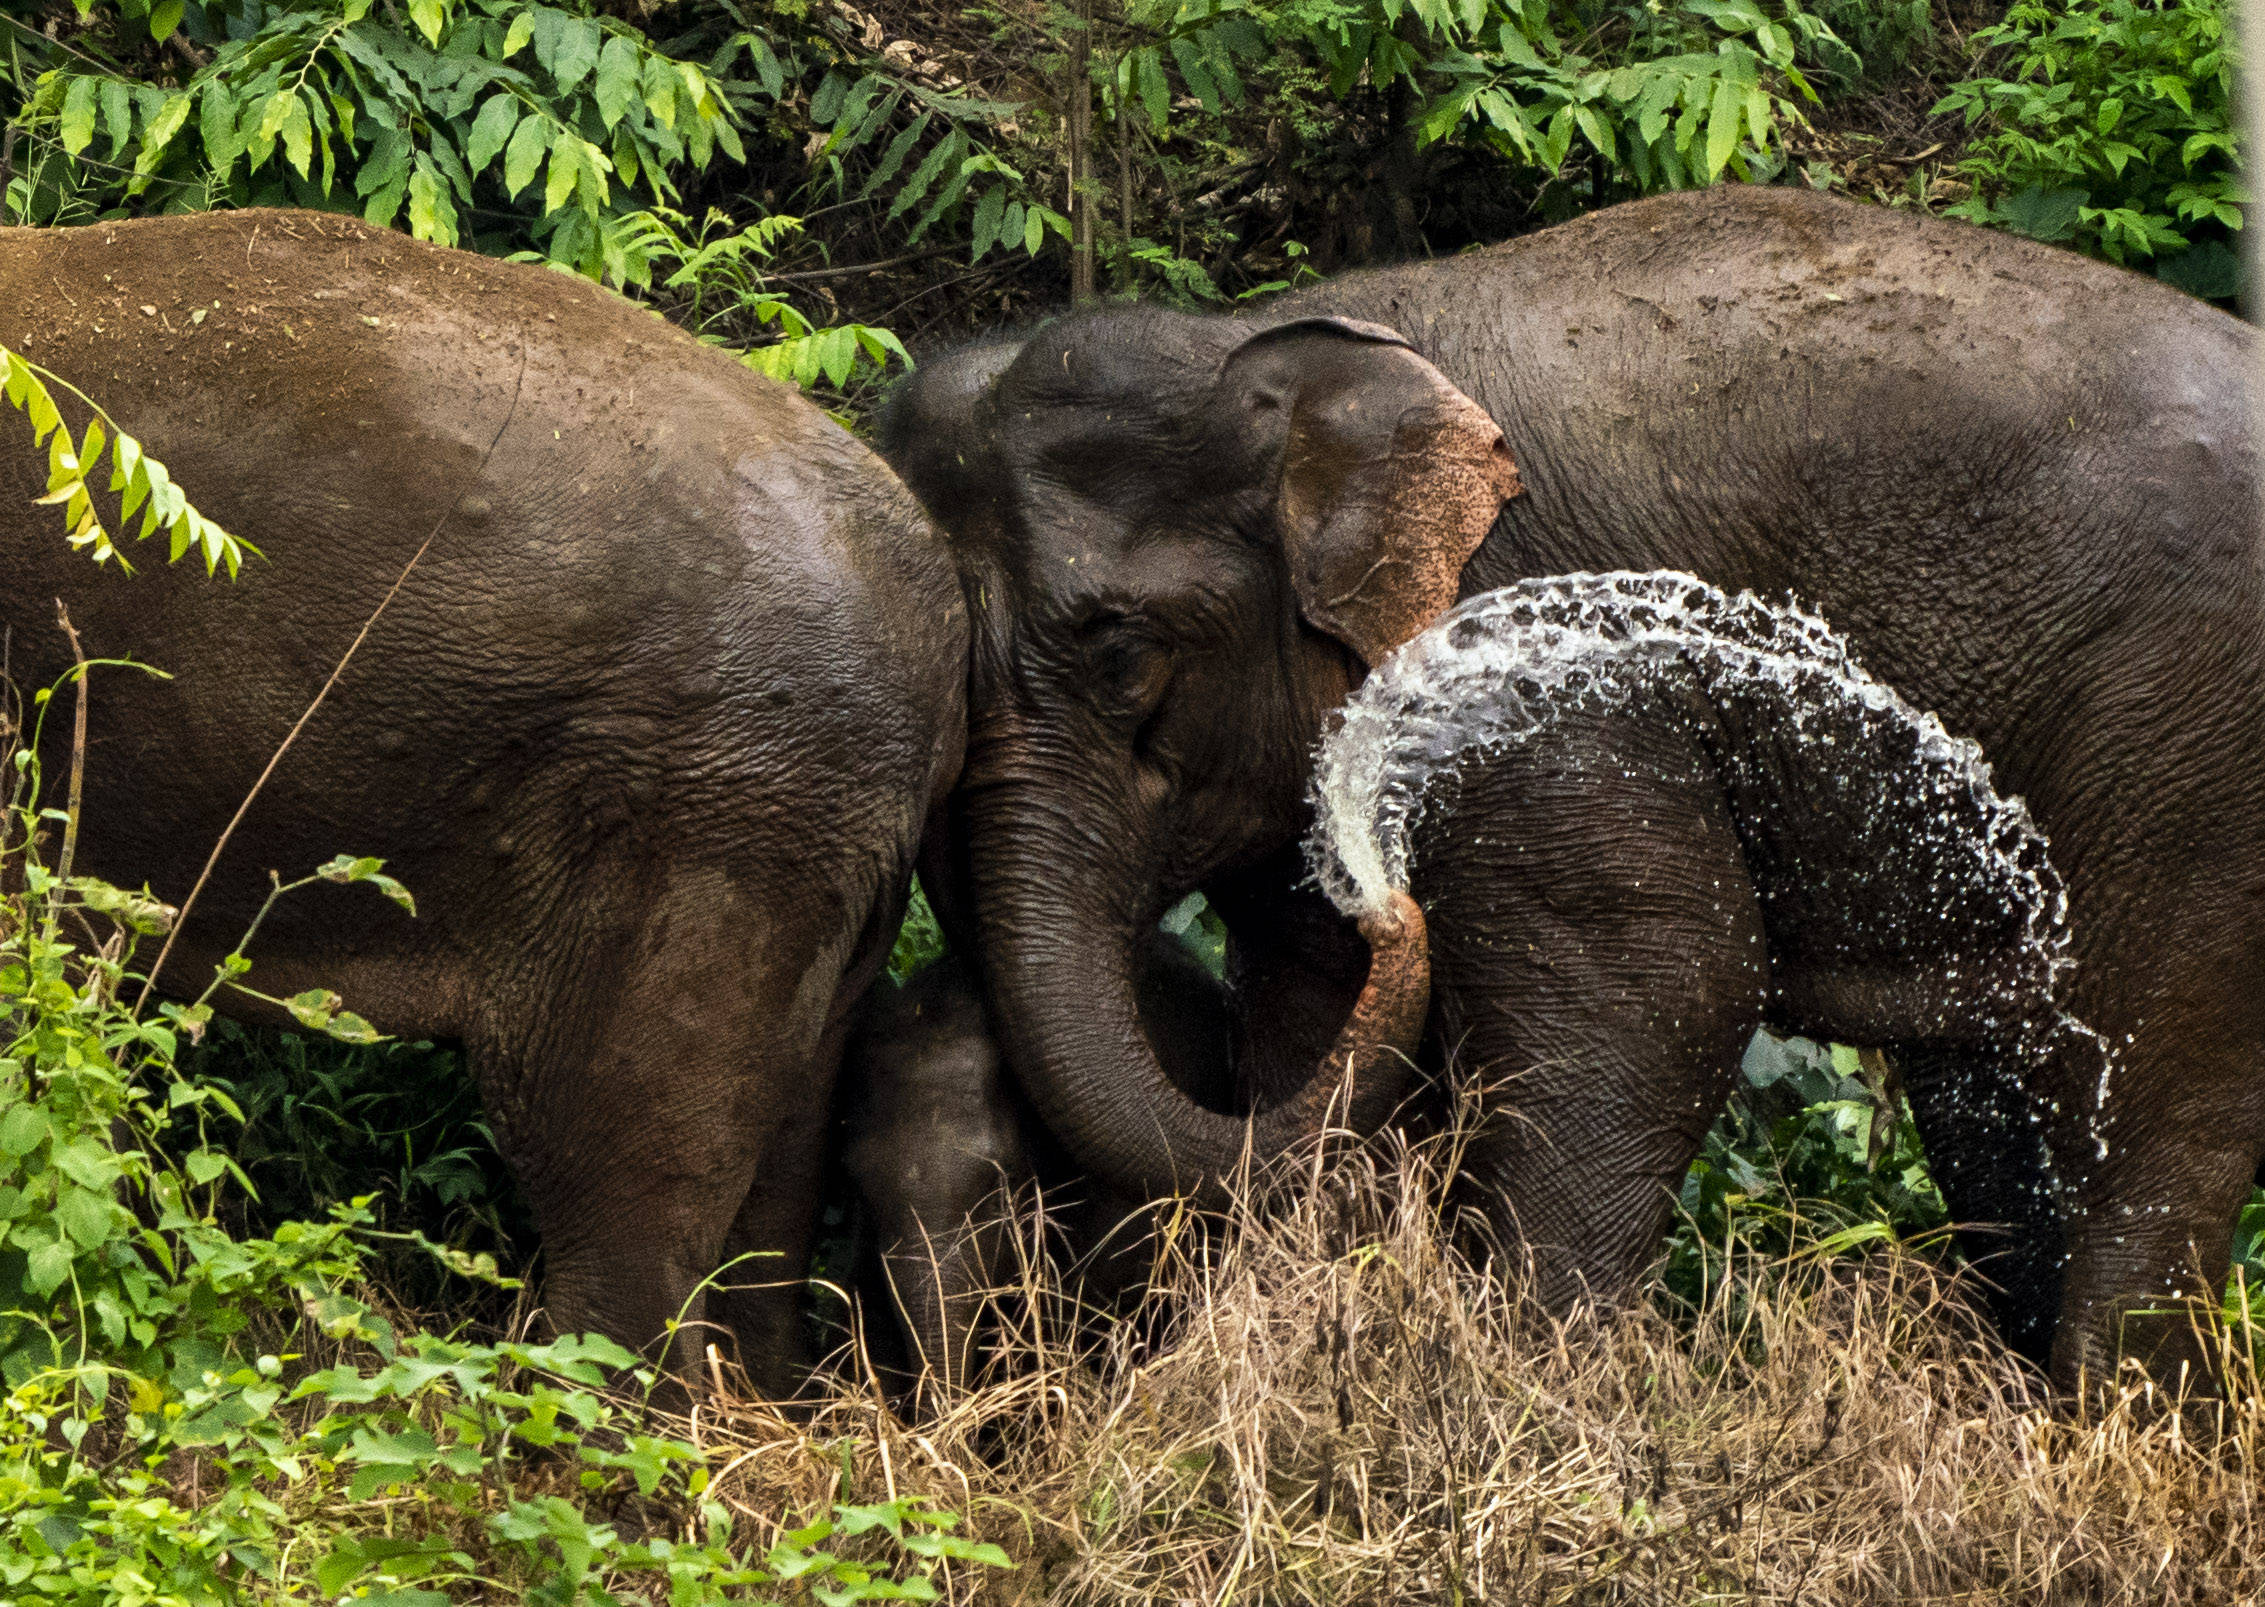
78	748
812	275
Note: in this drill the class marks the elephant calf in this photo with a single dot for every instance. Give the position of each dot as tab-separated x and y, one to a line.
652	729
941	1147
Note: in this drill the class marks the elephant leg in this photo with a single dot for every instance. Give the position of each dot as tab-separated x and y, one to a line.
1598	962
1993	1161
678	1056
934	1142
2152	1232
756	1306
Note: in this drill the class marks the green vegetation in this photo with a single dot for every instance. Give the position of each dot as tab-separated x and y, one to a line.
817	183
198	1415
2109	123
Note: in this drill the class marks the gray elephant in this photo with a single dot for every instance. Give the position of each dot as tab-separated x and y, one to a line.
2021	483
1645	818
652	731
942	1152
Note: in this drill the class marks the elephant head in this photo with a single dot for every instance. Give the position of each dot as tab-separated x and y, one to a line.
1183	542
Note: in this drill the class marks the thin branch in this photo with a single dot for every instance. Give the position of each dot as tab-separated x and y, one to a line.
808	275
149	983
78	756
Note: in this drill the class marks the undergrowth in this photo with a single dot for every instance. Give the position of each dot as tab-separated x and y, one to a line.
221	1385
203	1409
1330	1402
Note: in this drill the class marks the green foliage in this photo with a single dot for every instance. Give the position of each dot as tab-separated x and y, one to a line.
418	114
2110	125
1198	927
1807	1141
553	134
398	1126
1687	95
195	1415
919	942
139	480
1665	97
1886	36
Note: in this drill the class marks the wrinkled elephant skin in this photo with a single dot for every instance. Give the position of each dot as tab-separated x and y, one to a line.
2022	483
943	1151
652	731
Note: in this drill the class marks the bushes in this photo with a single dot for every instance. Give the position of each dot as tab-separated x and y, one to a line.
2109	124
199	1416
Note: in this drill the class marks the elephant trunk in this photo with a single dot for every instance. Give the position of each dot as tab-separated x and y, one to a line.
1061	947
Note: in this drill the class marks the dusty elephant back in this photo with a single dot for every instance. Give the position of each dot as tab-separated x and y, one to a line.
1799	392
2021	482
664	595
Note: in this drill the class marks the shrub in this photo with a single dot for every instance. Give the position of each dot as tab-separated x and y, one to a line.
2110	125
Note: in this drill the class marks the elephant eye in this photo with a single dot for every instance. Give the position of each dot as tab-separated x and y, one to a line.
1126	669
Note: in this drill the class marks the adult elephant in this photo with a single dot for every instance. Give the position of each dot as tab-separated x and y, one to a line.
652	730
2022	483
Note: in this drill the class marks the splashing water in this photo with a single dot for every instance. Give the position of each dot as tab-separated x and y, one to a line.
1502	669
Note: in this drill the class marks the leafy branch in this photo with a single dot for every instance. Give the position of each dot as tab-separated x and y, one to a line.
139	480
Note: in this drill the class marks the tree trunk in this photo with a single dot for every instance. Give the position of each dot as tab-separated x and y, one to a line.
1124	193
1080	107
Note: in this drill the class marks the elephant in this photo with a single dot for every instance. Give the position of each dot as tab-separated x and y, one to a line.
2022	484
1645	819
941	1152
652	731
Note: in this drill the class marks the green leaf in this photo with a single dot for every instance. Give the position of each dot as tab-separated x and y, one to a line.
2042	214
170	120
1722	125
425	200
346	869
988	214
48	1265
578	46
117	115
523	158
430	16
2211	270
164	18
85	1215
1155	92
490	130
1444	115
22	1130
565	172
515	38
78	114
661	84
216	124
298	135
620	84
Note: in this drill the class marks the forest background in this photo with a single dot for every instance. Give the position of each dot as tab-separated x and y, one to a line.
244	1386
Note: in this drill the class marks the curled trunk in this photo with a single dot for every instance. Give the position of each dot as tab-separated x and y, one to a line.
1061	948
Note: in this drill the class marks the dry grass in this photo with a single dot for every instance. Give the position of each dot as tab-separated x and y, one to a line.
1331	1405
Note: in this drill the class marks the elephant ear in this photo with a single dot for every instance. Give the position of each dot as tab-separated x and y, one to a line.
1390	476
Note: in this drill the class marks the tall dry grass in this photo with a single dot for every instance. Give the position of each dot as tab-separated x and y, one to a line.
1330	1404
